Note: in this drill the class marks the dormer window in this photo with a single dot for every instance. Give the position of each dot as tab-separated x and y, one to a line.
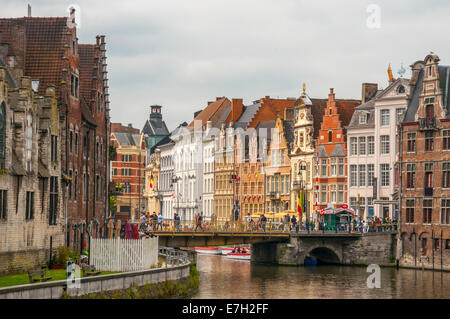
429	71
401	89
362	118
74	85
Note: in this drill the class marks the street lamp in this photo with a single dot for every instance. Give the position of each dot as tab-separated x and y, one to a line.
303	187
176	179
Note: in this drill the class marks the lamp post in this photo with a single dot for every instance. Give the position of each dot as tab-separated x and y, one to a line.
176	179
303	187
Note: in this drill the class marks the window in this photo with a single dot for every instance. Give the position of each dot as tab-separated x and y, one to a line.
400	89
287	185
333	193
323	194
384	117
53	207
70	184
330	136
429	110
429	141
29	211
410	175
76	143
353	202
411	142
410	205
353	176
74	85
333	167
340	193
54	147
427	211
362	145
324	168
341	166
428	175
75	188
370	174
2	136
384	144
353	146
384	170
29	141
362	175
445	211
3	200
370	145
446	175
362	118
446	140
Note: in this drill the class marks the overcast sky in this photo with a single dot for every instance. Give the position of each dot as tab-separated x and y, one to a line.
182	54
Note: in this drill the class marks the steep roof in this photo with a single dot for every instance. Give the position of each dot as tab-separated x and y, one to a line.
155	127
367	108
127	139
212	112
413	104
41	51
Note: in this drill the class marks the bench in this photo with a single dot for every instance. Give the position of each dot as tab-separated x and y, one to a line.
89	270
37	273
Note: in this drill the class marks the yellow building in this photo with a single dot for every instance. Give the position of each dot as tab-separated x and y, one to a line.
223	171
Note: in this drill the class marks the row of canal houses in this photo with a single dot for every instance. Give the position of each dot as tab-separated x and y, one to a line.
392	146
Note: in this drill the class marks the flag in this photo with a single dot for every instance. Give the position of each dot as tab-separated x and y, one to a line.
299	206
173	195
151	183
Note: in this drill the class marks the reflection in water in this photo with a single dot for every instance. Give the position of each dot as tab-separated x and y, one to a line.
221	277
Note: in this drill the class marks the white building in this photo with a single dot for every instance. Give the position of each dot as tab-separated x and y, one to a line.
208	173
373	150
166	189
187	155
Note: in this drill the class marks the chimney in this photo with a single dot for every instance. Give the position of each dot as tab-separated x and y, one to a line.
368	91
236	109
130	125
208	125
29	11
416	67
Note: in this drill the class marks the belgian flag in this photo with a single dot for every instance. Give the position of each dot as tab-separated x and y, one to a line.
151	183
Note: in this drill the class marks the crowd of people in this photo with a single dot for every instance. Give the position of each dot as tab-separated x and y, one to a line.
156	222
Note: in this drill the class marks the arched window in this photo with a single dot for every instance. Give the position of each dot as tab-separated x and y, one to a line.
330	136
2	135
401	89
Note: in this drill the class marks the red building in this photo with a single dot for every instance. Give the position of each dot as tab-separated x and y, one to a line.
330	172
47	50
128	171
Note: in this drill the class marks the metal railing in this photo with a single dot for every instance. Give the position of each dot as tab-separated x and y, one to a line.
268	227
174	256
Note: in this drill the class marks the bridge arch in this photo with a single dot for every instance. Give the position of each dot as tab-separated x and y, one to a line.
325	254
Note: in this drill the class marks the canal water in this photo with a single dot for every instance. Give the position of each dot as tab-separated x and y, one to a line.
221	277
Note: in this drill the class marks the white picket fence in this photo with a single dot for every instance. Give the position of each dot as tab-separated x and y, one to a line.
116	254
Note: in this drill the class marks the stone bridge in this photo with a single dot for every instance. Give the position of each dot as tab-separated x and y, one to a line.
350	249
292	249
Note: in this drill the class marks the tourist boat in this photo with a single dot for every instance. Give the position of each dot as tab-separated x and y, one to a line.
208	250
243	256
225	250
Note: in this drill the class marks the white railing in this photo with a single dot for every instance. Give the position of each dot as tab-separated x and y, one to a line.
118	254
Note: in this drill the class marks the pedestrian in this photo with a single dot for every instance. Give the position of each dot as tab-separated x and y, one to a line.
249	221
294	223
176	221
154	221
198	221
160	221
263	222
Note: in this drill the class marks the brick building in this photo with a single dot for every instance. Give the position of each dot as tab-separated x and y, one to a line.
425	168
330	179
47	51
128	171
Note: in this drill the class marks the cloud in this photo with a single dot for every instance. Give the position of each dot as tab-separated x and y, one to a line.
181	54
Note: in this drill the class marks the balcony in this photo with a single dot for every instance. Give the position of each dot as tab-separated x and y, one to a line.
274	195
427	124
428	192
